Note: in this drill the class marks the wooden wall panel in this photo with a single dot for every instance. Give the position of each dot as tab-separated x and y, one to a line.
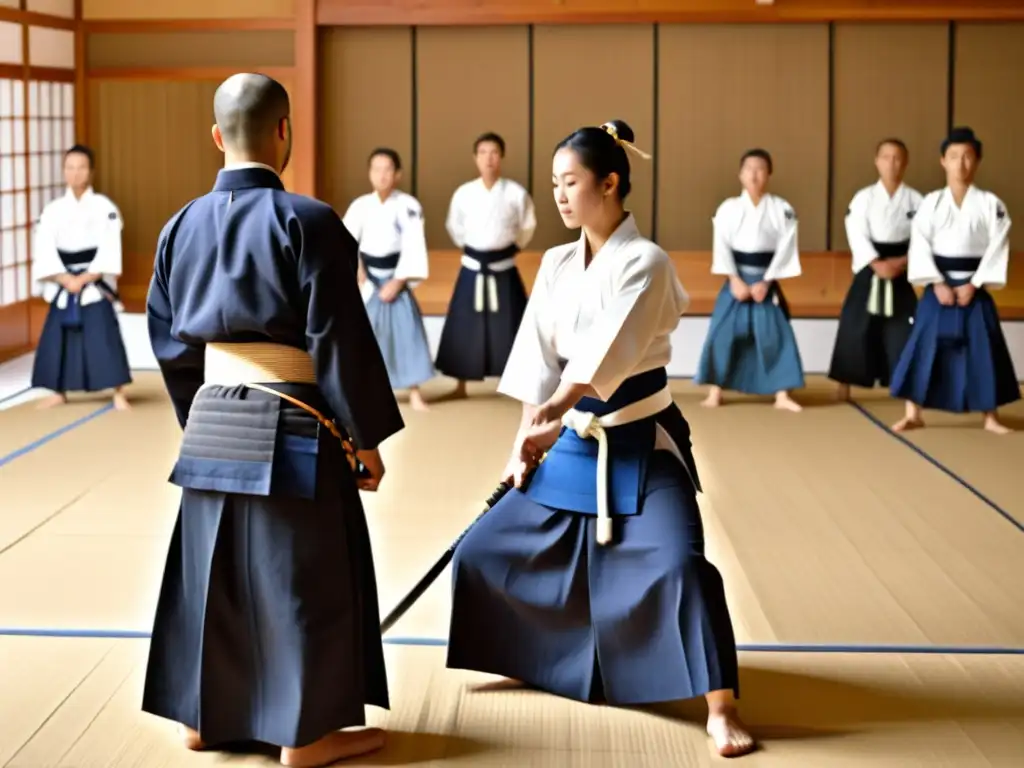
890	80
469	81
212	48
65	8
724	89
187	9
989	97
624	91
349	129
154	153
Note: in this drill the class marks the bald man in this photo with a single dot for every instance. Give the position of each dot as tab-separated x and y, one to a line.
267	627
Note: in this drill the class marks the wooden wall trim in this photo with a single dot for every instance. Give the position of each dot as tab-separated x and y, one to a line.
304	111
817	294
149	26
469	12
35	19
52	74
181	73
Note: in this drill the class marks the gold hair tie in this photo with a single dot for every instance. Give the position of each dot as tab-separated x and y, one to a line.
629	146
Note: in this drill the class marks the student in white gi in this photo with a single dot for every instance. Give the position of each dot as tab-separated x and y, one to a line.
388	225
956	359
490	219
878	313
76	260
594	591
750	346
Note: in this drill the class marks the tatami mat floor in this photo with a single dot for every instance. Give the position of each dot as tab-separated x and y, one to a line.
828	531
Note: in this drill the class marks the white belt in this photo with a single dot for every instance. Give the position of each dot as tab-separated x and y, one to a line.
232	364
481	280
880	285
587	424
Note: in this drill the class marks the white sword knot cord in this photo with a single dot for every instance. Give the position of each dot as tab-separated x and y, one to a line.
884	286
589	425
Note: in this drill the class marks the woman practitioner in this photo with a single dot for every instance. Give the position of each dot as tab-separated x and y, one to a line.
590	581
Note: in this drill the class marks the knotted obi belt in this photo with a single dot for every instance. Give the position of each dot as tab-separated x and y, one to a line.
598	465
77	262
487	264
952	321
380	269
241	435
880	299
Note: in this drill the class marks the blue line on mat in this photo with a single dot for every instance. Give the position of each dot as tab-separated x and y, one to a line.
938	465
13	395
437	642
54	435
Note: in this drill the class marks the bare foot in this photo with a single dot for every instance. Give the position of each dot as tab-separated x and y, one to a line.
333	747
459	393
121	402
843	393
731	737
416	400
714	398
995	426
786	403
190	738
908	423
52	401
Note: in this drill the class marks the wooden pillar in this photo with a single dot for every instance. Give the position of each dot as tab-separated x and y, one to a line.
304	111
81	82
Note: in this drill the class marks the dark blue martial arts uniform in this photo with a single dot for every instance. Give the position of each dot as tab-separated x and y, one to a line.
267	627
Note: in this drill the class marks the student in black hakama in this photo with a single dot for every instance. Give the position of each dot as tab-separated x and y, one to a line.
956	359
76	260
490	219
585	591
878	312
267	627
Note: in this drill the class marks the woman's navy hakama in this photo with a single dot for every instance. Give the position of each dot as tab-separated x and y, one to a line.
640	620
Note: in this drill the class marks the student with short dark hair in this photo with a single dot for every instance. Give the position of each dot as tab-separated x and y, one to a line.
750	346
956	359
388	225
490	219
76	260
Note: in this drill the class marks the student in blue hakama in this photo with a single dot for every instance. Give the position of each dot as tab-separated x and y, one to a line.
878	313
750	346
267	627
388	225
589	579
956	359
76	260
490	219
